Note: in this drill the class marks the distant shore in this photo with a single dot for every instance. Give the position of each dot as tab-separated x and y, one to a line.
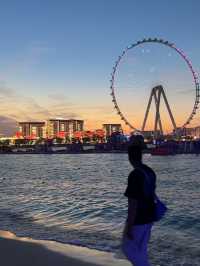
92	152
160	148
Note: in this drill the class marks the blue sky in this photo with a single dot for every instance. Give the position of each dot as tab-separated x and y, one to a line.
57	56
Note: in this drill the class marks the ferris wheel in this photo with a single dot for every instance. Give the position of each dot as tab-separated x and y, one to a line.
195	84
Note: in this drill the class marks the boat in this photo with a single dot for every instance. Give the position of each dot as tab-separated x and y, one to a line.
162	151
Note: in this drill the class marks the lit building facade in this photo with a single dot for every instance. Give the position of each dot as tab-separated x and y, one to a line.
62	127
110	128
150	133
192	132
32	130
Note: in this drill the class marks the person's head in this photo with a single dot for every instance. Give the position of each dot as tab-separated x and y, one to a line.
135	155
137	140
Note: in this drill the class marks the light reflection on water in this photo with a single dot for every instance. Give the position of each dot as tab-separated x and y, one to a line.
79	199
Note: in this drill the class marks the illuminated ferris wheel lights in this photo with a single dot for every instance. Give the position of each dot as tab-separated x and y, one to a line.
128	47
181	53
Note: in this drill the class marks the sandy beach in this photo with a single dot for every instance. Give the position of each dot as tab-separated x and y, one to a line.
18	251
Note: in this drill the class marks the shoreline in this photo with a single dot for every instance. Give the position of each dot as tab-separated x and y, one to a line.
104	152
23	251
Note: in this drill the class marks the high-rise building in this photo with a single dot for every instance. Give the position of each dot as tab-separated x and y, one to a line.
32	129
58	126
110	128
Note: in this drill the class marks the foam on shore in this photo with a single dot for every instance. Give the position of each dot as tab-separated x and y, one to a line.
21	251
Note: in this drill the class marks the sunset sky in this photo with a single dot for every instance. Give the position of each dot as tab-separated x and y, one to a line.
56	57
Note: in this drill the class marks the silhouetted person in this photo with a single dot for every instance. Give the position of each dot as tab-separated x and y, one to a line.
140	192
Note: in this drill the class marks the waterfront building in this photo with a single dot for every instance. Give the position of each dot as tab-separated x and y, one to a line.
192	132
111	128
63	127
149	134
32	129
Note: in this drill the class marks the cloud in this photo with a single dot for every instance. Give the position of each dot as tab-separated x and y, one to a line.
61	106
6	92
27	59
35	109
57	97
35	52
18	107
8	126
187	91
22	107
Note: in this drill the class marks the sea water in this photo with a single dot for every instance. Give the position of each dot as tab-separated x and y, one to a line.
79	199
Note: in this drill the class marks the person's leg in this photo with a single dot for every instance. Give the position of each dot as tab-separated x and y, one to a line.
144	240
136	249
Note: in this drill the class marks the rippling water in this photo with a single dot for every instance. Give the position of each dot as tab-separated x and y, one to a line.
79	199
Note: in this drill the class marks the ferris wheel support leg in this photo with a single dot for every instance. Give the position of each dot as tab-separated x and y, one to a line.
147	111
169	110
159	119
157	104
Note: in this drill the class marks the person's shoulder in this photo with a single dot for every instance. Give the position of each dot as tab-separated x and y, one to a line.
148	169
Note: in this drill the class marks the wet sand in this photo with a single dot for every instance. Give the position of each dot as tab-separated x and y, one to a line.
16	251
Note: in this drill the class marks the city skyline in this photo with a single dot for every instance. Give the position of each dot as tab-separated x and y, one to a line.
56	59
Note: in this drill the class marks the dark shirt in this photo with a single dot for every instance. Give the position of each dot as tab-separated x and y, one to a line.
141	187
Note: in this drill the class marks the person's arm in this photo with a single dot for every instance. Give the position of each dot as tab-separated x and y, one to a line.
132	210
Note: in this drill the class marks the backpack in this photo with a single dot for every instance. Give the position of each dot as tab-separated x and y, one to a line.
159	207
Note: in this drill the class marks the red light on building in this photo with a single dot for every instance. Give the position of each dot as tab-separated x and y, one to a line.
78	134
18	134
88	134
31	137
61	134
100	133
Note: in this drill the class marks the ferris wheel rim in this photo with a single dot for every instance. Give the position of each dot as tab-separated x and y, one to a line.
182	55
